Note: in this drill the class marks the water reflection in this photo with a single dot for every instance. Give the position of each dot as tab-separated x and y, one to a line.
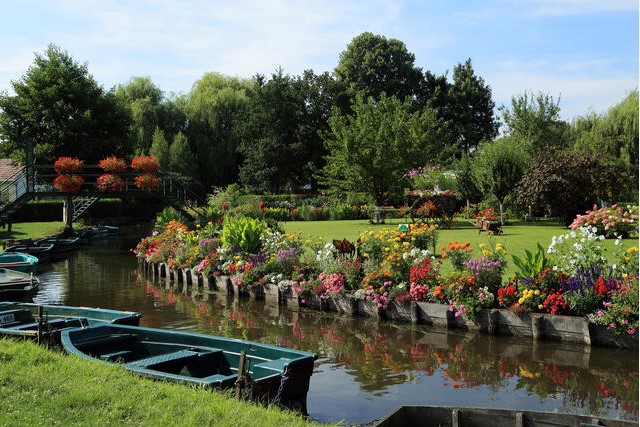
366	368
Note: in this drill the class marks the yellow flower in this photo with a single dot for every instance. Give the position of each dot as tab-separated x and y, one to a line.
540	306
486	253
482	245
536	292
521	301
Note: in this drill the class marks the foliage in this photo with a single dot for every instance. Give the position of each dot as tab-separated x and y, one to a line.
531	264
146	181
145	164
243	233
68	165
458	253
372	65
609	221
621	311
569	183
498	166
534	120
62	111
112	165
160	147
68	183
369	147
110	182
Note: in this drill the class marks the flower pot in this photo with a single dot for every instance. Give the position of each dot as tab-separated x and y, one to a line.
223	283
565	328
369	309
511	323
432	314
272	294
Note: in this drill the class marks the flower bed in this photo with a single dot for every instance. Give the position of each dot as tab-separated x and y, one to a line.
558	293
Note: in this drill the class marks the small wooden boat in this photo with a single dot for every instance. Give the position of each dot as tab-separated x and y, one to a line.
44	322
60	246
481	417
43	253
97	232
18	261
268	372
16	285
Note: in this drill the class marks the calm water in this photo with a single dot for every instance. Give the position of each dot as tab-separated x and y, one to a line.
365	368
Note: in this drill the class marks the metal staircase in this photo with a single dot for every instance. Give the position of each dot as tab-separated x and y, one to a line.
81	204
14	193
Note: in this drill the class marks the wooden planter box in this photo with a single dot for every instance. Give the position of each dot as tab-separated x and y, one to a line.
400	311
256	292
272	294
432	314
564	328
344	304
312	301
369	309
223	283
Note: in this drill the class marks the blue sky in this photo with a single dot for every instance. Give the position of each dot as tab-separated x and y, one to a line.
584	52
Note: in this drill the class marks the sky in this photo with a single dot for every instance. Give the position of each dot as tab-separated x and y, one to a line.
583	53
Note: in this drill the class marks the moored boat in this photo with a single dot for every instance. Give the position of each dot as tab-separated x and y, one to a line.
18	261
29	320
16	285
60	246
268	372
97	232
43	253
481	417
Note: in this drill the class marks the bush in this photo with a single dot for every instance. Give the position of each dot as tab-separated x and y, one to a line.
609	221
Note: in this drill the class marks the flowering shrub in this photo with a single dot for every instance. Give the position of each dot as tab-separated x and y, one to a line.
458	253
329	285
620	313
508	295
109	182
488	272
145	164
377	285
465	297
68	183
488	213
424	280
112	165
573	250
147	181
68	165
609	221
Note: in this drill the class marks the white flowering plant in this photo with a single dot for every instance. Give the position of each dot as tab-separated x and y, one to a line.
574	250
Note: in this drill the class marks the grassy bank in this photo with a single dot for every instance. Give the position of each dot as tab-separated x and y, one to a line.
42	387
33	230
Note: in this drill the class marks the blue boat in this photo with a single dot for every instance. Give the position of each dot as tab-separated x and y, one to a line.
43	253
16	285
261	371
60	246
44	322
97	232
18	261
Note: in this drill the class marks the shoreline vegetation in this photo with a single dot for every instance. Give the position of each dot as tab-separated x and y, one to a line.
41	386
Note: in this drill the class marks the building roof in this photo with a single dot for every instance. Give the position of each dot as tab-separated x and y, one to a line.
8	169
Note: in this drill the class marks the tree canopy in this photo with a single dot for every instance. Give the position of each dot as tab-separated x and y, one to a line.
371	149
62	111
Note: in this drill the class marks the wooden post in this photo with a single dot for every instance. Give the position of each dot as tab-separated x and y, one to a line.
241	374
67	212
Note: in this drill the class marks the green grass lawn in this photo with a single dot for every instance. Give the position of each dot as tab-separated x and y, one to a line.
33	230
516	237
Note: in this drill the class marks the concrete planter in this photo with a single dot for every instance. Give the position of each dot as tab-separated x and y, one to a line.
223	283
510	323
272	294
369	309
564	328
312	301
256	292
602	336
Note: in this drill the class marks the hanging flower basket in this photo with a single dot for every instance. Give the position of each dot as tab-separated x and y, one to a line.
68	165
110	182
145	164
112	165
147	181
68	183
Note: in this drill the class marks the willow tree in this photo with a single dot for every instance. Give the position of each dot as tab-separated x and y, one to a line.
371	149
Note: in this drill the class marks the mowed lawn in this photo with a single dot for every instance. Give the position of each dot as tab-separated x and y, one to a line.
516	237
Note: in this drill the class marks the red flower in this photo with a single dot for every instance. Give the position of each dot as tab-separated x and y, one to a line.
68	183
109	182
68	165
145	164
112	164
147	181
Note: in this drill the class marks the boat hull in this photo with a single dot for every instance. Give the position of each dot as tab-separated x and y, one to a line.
18	261
480	417
17	286
277	374
43	253
23	319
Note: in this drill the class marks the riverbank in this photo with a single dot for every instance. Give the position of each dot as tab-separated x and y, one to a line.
40	386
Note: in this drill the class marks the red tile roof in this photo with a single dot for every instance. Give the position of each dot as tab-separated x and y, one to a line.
8	169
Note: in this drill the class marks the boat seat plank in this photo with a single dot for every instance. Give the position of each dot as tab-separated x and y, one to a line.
276	364
155	360
115	355
13	316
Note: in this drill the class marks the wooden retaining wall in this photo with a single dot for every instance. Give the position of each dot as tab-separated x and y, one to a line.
538	326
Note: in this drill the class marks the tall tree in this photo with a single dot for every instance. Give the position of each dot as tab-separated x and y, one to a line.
498	166
534	119
470	110
614	137
61	109
371	149
160	148
569	183
144	99
214	109
181	160
281	145
373	64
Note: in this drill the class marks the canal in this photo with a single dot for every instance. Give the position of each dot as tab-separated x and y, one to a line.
365	368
